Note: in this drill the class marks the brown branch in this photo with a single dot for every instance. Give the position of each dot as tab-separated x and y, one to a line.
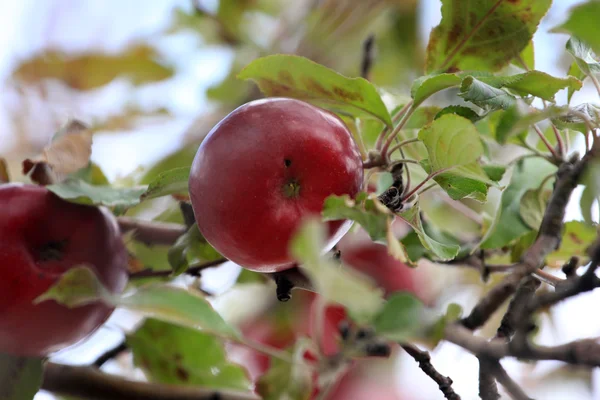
548	239
152	232
488	390
507	382
91	384
194	270
424	360
580	352
368	56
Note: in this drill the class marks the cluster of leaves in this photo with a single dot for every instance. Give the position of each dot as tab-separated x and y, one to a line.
482	55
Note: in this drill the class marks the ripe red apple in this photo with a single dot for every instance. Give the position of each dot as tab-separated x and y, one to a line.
265	167
41	237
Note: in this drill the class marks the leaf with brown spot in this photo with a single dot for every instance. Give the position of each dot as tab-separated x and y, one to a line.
93	70
482	35
69	151
577	237
174	354
301	78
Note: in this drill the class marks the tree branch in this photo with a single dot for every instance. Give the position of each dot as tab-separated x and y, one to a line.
424	360
548	239
507	382
152	232
110	354
89	383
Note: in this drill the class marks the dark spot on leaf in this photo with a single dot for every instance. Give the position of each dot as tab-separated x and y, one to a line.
286	78
273	88
314	86
178	357
182	374
454	34
575	238
347	95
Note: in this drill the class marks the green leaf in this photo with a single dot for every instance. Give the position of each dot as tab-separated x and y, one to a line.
465	181
92	70
440	250
575	71
451	141
508	224
367	211
425	86
179	355
191	248
584	56
179	159
518	118
298	77
421	117
591	193
533	206
461	111
81	192
527	56
361	297
80	286
576	239
485	96
402	317
494	172
284	380
535	83
583	24
453	313
20	377
91	174
166	183
572	119
482	35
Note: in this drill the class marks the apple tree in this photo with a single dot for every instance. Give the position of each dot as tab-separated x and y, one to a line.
340	160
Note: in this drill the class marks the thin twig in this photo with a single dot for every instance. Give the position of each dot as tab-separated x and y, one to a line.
515	391
110	354
400	144
546	142
152	232
194	270
424	360
397	129
91	384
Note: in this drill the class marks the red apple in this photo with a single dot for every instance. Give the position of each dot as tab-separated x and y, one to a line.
374	260
41	237
262	170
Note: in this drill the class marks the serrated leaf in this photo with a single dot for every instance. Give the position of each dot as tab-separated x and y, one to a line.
178	355
92	70
440	250
482	35
298	77
535	83
166	183
402	318
81	192
576	239
533	206
80	286
191	248
583	24
366	210
465	181
361	297
425	86
451	141
485	96
20	377
461	111
284	380
508	224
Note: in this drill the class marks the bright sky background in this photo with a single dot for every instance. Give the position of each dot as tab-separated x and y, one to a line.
26	26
